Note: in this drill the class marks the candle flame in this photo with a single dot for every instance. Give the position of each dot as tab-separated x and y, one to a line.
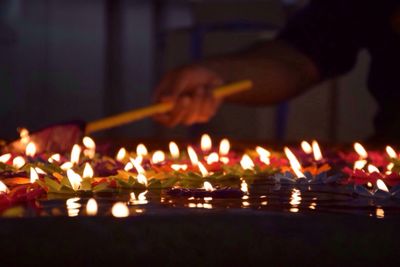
39	170
390	166
193	156
244	187
91	207
158	157
18	162
359	164
381	185
224	160
30	149
75	154
206	143
120	210
3	188
246	162
5	158
372	168
360	150
88	142
141	150
174	150
121	154
224	147
66	166
54	157
136	163
306	147
212	158
74	179
142	179
88	171
128	166
24	135
90	145
263	155
178	167
202	169
294	162
208	187
391	152
317	151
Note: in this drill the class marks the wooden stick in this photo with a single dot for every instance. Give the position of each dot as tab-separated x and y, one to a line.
138	114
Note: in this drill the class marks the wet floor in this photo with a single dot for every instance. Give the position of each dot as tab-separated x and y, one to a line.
262	198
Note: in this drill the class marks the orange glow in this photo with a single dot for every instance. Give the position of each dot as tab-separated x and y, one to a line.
212	158
306	147
193	156
18	162
75	154
74	179
174	150
158	157
206	143
120	210
121	154
30	150
391	152
202	169
381	185
360	150
91	207
5	158
88	171
3	188
246	162
141	150
224	147
372	168
317	151
208	187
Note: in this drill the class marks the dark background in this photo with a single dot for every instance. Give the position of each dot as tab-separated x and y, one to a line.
67	59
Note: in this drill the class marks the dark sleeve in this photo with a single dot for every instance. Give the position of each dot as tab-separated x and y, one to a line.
329	32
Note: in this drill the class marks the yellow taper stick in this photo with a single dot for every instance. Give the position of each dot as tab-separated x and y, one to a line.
141	113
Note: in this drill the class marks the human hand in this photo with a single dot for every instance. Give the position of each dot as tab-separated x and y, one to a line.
190	90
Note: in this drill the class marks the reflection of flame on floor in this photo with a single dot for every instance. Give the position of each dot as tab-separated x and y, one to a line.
295	200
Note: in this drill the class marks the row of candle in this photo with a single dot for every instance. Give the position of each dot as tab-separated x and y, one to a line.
138	164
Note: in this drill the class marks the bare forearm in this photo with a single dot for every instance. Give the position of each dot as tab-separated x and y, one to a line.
278	72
